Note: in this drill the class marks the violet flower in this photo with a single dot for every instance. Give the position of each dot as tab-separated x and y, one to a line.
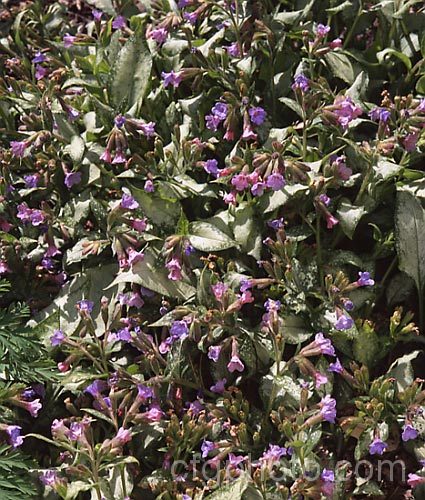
377	447
328	409
171	78
409	432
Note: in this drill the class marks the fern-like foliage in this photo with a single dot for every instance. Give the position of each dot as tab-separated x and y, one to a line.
22	356
15	479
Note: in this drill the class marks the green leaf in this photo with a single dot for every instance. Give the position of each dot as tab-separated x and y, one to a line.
349	216
402	370
105	5
339	8
152	274
385	169
410	238
292	105
131	72
341	66
232	491
206	237
76	148
420	85
158	211
383	55
271	201
294	330
247	230
359	87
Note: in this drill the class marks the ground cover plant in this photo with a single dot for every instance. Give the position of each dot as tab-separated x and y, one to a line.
212	252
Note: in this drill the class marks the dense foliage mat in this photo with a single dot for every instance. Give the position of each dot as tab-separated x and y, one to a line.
212	251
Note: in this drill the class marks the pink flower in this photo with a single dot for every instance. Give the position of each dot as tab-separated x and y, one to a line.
345	110
409	142
139	224
331	221
240	181
159	35
175	269
414	480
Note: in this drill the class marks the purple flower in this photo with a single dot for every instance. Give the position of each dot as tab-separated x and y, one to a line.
14	435
409	432
18	148
336	367
148	129
344	323
212	122
179	330
276	224
301	82
96	387
183	3
47	263
39	58
322	30
149	186
328	409
410	141
97	15
57	338
323	344
257	115
273	454
220	110
325	199
33	407
328	478
144	392
380	114
377	447
159	35
85	305
233	49
206	447
119	120
345	110
128	202
31	181
191	17
219	386
348	304
240	181
235	364
272	305
68	40
219	289
211	167
36	217
72	178
320	379
275	181
175	269
119	23
214	352
245	285
49	477
40	72
365	279
119	158
258	188
171	78
124	334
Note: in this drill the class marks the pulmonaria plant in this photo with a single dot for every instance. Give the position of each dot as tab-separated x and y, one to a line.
210	218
